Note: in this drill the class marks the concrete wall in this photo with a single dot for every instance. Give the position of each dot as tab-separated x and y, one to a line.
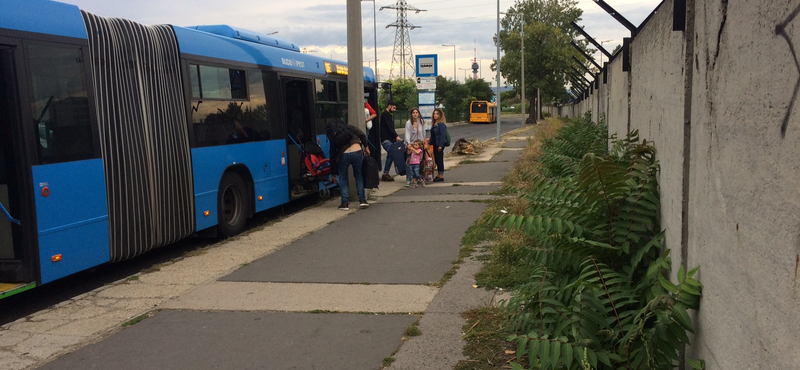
657	92
719	100
617	83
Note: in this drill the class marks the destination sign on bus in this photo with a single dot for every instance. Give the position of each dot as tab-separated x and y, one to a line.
335	68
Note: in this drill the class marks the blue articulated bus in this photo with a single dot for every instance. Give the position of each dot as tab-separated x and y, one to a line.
117	137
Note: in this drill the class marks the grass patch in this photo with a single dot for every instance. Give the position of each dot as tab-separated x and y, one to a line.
485	335
478	233
136	320
155	268
505	266
387	361
322	311
471	161
528	165
412	330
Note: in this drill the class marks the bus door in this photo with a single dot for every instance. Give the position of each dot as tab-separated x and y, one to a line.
299	120
68	184
17	228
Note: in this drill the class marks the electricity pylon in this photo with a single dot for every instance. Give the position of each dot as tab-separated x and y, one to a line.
402	56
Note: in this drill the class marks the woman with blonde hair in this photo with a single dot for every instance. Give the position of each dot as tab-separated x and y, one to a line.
438	141
415	130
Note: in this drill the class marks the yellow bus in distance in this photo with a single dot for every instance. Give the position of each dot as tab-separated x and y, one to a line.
481	111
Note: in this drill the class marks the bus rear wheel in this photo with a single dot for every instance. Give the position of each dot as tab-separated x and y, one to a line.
231	205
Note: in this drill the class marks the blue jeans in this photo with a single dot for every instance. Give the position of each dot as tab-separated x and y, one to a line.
387	146
355	159
438	157
413	169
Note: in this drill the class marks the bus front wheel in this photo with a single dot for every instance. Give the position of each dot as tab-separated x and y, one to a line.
232	205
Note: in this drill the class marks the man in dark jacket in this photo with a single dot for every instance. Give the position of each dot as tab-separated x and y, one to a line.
349	154
388	136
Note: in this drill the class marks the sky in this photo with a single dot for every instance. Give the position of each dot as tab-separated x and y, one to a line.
321	28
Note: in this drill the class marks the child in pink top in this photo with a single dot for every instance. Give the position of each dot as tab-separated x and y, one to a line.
413	162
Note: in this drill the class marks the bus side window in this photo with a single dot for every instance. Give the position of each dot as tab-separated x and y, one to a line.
219	96
59	103
329	105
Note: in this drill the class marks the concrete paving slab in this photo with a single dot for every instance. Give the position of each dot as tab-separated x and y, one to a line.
515	144
441	345
388	253
441	198
461	294
195	340
435	189
13	360
489	171
248	296
507	156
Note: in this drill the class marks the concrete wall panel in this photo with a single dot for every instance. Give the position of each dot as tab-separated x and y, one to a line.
744	210
617	111
657	96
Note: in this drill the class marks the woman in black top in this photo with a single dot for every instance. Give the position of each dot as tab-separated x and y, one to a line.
438	140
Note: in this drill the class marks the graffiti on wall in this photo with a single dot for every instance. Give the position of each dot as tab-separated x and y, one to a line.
780	30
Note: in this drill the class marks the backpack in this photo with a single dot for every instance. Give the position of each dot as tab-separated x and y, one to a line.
338	133
446	136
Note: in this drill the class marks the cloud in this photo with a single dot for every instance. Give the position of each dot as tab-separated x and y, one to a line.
468	24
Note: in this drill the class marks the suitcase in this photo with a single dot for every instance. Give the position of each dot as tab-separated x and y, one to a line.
399	157
369	172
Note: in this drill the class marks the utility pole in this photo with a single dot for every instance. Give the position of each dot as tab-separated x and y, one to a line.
355	66
499	107
355	79
522	66
402	54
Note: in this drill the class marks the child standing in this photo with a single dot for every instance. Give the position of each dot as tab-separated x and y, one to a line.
414	161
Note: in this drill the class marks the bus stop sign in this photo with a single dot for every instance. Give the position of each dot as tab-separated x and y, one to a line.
427	65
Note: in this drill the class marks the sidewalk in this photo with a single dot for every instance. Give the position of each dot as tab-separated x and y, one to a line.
307	292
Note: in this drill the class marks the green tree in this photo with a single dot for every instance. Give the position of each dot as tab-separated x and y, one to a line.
548	53
479	89
404	93
451	94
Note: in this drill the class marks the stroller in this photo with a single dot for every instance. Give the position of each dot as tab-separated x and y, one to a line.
316	177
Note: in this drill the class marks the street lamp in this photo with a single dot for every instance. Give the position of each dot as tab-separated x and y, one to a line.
374	38
601	53
465	73
454	60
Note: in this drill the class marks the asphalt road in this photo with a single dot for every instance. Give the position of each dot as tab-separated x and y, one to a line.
485	131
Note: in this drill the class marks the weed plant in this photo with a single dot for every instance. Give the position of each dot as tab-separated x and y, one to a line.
584	255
